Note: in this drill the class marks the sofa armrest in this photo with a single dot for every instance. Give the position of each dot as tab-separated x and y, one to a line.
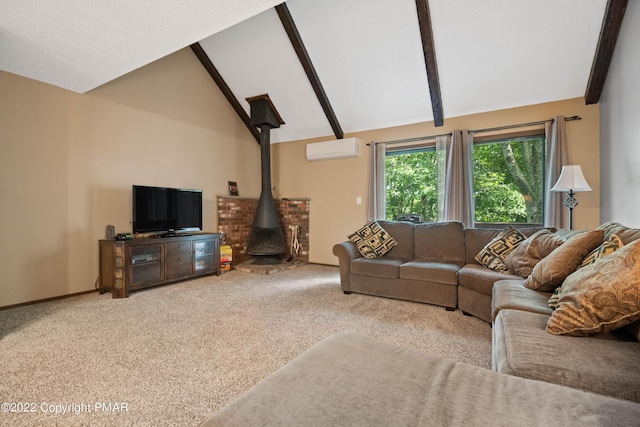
346	252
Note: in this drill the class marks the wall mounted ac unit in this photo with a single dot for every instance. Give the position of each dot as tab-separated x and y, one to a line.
336	149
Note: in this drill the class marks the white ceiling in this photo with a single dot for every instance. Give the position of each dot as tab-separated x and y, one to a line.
80	45
491	54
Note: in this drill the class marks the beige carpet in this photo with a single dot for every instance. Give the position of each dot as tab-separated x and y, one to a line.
172	355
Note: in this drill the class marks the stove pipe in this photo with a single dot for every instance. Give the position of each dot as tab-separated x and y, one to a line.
266	235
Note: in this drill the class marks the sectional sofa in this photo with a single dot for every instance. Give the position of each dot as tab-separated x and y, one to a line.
605	363
566	331
432	263
580	343
446	264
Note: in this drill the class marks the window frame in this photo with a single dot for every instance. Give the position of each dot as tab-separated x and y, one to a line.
485	139
504	137
400	150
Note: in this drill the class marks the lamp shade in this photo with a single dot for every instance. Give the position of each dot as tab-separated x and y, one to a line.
571	179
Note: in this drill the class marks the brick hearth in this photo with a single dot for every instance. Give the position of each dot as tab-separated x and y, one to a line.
235	219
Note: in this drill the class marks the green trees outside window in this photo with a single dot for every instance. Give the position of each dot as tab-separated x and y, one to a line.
412	184
508	180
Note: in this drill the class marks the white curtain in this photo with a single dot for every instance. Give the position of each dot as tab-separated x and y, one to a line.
377	186
555	214
456	203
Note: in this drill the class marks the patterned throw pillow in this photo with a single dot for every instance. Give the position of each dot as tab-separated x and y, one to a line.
372	240
493	254
554	298
600	297
610	246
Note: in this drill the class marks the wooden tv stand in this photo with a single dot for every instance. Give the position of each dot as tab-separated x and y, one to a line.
127	265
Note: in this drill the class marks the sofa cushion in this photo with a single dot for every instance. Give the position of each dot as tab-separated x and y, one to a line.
438	272
474	240
440	242
348	380
549	273
511	294
493	253
530	252
605	364
402	232
372	240
600	297
480	279
379	267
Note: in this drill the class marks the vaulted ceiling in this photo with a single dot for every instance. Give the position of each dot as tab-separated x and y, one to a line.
334	66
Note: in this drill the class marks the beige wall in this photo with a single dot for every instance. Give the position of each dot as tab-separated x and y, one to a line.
67	163
333	185
620	127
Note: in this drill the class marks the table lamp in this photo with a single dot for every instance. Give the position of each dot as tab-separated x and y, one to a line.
571	180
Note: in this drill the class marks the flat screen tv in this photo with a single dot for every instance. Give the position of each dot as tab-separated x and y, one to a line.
166	210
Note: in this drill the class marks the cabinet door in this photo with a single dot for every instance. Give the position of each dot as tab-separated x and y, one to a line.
206	255
178	259
147	264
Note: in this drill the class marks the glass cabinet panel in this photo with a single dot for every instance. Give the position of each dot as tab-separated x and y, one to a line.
204	255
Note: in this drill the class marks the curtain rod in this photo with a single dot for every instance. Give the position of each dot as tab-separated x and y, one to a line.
425	138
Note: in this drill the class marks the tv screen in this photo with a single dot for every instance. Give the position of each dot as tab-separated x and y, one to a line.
161	209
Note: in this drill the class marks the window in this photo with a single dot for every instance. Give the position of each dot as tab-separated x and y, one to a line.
411	183
508	180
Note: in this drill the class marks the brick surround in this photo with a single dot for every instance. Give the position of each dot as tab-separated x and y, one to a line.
235	219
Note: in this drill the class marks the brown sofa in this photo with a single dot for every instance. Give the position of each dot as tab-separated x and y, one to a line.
604	363
541	379
349	380
432	263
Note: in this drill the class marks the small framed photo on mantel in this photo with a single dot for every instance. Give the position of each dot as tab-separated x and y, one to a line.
233	188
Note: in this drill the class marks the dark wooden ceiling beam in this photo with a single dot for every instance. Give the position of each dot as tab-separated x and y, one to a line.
296	41
604	52
428	47
226	91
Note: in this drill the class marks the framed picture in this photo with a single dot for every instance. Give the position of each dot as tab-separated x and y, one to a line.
233	188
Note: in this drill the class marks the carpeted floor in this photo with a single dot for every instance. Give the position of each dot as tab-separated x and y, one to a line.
172	355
